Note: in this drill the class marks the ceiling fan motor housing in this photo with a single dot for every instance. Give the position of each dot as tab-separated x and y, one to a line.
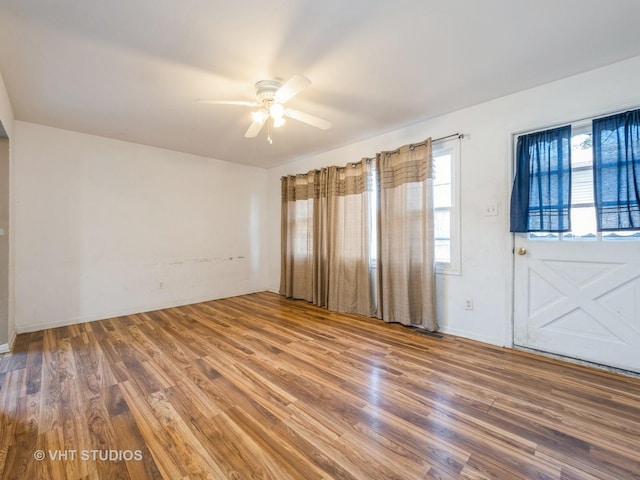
266	90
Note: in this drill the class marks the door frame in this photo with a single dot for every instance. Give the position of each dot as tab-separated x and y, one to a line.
510	167
511	135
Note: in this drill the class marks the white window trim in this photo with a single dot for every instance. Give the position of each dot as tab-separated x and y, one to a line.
454	266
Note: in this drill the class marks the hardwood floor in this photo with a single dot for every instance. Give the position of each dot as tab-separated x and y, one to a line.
260	387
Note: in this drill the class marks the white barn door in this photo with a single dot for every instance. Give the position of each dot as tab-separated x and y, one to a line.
579	299
578	294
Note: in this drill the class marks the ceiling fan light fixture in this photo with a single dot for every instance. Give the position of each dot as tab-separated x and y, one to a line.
276	111
279	121
259	116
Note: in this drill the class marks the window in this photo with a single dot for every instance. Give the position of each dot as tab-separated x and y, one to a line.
446	203
446	215
582	207
302	228
582	213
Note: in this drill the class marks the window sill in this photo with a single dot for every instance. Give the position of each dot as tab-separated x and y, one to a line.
447	269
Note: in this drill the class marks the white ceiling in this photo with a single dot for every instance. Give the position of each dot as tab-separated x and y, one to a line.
130	69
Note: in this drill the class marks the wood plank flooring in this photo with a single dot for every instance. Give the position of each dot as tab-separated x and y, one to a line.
260	387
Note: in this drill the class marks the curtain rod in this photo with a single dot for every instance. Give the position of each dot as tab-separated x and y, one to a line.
447	137
412	146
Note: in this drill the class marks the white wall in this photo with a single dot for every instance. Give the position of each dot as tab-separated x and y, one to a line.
105	227
7	320
485	180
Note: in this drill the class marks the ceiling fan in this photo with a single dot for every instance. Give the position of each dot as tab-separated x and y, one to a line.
271	96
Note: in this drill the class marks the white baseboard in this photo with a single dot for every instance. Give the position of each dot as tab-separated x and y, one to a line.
499	342
35	327
7	347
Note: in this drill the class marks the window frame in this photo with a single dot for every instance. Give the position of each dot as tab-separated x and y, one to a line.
578	127
453	267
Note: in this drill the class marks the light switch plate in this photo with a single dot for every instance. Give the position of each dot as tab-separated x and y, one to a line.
491	210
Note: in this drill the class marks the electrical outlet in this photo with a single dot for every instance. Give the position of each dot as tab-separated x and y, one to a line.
161	284
468	303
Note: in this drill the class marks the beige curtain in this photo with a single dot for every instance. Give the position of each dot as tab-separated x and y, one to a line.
299	223
326	237
406	283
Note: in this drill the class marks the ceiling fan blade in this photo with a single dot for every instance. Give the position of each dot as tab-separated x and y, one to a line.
228	102
295	84
308	119
254	129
